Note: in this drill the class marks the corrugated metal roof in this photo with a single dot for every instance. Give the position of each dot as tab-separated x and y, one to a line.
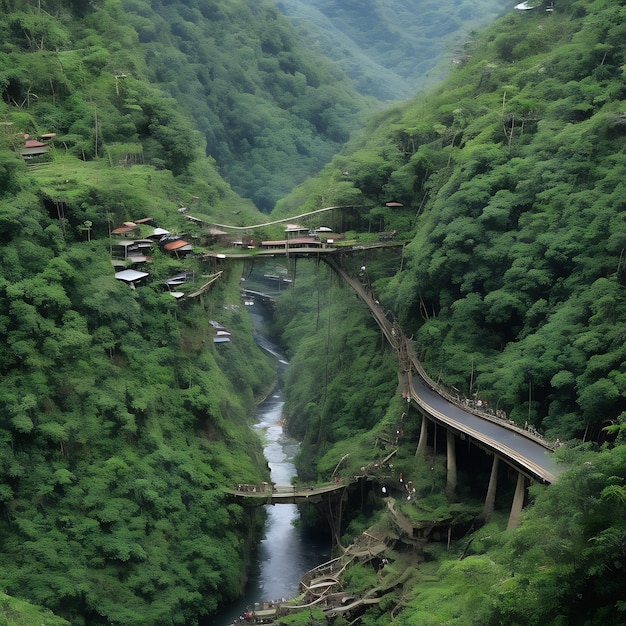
130	276
175	245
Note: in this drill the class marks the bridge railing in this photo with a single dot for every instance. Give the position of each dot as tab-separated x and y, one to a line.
298	488
470	405
258	488
407	353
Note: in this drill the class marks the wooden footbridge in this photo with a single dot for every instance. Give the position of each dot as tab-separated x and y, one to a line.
328	498
268	493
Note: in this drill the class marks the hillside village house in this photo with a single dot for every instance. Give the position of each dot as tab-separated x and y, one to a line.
33	147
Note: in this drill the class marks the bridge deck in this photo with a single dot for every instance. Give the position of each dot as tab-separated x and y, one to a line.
285	494
529	455
521	450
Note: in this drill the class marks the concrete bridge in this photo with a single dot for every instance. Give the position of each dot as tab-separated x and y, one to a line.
526	452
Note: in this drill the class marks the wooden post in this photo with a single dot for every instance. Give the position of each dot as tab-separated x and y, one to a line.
451	458
333	515
518	502
421	446
491	490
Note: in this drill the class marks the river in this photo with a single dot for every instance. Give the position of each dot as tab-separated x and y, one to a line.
286	551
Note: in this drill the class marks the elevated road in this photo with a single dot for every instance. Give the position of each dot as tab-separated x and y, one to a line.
529	454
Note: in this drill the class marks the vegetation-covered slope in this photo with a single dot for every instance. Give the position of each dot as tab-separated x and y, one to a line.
120	420
511	176
271	106
120	427
340	378
271	111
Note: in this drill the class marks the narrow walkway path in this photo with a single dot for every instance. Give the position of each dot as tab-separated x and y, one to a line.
267	493
286	219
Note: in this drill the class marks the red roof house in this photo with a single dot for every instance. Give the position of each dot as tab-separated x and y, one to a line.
32	148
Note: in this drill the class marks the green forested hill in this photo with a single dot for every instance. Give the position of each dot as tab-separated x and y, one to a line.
120	420
271	111
511	179
272	106
390	48
511	175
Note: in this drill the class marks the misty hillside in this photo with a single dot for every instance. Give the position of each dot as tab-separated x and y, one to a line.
390	49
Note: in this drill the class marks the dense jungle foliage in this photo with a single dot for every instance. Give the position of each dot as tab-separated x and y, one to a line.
274	102
120	420
270	110
511	176
120	423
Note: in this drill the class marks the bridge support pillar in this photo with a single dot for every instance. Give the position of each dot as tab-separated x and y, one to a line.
518	502
490	499
421	445
451	459
332	509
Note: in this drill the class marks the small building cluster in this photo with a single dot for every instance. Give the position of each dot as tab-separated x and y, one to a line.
299	237
133	250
